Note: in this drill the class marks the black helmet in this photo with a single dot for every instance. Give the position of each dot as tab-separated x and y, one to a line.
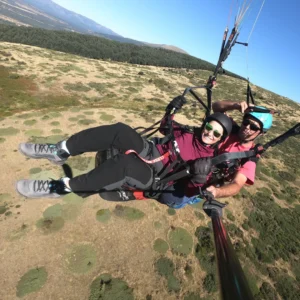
223	120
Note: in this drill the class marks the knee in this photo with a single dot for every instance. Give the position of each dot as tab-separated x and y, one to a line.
124	160
122	127
128	163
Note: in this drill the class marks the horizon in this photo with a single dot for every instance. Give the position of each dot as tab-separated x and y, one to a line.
175	23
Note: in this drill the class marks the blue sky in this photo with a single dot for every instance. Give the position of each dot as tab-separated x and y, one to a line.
271	60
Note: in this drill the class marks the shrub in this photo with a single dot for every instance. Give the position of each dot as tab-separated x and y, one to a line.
266	291
277	228
251	280
245	225
287	176
77	87
209	283
287	288
205	249
296	269
233	230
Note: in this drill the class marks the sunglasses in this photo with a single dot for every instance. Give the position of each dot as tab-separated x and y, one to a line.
253	127
216	133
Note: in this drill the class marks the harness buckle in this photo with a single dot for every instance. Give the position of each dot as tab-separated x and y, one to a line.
156	179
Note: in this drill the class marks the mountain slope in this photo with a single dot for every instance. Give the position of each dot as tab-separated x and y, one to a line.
49	15
77	21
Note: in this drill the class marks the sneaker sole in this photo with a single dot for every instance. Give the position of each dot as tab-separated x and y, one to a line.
52	161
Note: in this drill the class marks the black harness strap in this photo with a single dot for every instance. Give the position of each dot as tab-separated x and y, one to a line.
254	153
162	179
249	95
152	127
233	155
291	132
177	164
174	176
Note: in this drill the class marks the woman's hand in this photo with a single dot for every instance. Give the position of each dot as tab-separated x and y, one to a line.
176	103
200	168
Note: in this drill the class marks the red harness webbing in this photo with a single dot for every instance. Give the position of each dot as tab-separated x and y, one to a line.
139	195
167	154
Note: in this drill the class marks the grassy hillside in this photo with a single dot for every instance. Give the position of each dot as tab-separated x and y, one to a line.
75	248
101	48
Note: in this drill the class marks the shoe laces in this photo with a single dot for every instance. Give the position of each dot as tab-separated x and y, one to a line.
46	148
49	186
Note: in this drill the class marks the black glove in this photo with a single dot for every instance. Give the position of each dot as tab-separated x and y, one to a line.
200	168
176	103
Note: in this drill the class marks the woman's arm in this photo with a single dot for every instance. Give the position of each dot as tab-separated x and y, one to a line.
175	105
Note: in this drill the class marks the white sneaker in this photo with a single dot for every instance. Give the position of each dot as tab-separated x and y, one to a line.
42	188
52	152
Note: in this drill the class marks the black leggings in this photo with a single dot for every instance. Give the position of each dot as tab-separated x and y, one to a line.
114	173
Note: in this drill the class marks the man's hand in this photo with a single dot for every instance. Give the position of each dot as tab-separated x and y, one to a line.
213	190
230	189
176	103
244	106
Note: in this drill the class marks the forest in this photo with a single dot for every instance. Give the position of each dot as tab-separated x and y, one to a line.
101	48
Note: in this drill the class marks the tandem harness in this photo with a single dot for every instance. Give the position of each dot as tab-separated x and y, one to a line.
178	169
225	165
232	159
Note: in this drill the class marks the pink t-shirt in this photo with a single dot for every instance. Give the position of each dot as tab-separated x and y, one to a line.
232	144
